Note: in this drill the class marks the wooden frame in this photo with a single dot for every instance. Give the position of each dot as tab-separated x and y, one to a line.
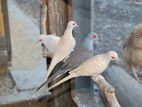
59	12
5	43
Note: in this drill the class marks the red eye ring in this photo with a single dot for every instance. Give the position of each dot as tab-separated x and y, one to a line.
94	36
113	57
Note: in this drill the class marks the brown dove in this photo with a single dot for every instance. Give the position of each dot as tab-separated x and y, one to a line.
80	55
133	50
92	67
64	48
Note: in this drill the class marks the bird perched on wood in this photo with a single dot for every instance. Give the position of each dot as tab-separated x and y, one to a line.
133	50
50	43
80	55
92	67
64	48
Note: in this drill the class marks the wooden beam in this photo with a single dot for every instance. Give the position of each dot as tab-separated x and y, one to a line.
58	14
69	8
1	20
43	17
5	43
7	30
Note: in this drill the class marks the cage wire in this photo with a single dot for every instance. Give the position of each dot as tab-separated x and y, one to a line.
114	21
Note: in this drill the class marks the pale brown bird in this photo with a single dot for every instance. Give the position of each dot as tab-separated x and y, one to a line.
92	67
80	55
133	50
64	48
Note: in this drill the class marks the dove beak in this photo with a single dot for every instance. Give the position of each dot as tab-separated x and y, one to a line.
38	41
76	25
118	61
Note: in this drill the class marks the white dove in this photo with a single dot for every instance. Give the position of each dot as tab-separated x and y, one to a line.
64	48
92	67
50	43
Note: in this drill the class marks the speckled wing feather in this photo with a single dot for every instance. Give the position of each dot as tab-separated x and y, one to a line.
77	57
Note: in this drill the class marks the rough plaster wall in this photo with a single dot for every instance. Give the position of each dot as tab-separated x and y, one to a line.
30	8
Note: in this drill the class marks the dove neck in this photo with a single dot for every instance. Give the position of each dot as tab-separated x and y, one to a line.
107	57
88	43
68	31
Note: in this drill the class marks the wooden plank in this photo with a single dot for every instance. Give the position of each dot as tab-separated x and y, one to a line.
1	20
43	17
69	8
2	44
3	70
5	44
3	54
47	20
3	58
57	18
7	29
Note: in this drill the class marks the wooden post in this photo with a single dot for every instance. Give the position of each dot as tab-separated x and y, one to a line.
7	30
58	16
43	17
1	20
5	44
59	12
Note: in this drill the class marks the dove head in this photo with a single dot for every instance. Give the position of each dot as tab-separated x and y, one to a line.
113	55
93	36
91	41
41	38
72	24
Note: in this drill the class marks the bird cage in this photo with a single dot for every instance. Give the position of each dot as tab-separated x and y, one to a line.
115	22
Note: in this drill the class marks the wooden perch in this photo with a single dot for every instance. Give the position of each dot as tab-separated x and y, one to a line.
128	90
107	90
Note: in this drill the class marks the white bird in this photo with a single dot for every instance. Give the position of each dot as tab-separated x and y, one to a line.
50	43
92	67
64	48
80	55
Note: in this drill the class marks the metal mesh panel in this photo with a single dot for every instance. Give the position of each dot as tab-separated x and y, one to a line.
114	21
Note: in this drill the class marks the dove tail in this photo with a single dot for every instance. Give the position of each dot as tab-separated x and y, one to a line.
61	81
59	73
51	67
41	86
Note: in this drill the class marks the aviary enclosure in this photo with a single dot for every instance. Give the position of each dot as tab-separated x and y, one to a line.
24	64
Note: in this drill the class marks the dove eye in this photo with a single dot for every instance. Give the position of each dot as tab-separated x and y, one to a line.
94	36
40	39
73	23
113	57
